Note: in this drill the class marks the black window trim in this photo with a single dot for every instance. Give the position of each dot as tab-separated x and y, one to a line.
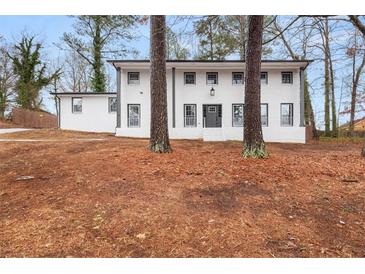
212	72
196	115
109	105
243	114
139	78
267	77
292	114
139	115
243	78
267	112
189	72
72	104
291	77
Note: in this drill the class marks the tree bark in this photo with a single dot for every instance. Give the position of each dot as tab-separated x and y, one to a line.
159	135
327	83
253	143
356	78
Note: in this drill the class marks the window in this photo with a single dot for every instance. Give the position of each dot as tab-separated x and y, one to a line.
189	115
264	78
189	78
134	115
287	77
237	78
133	78
237	115
112	104
287	115
264	115
77	105
212	78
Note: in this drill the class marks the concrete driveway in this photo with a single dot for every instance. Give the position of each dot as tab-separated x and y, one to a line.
11	130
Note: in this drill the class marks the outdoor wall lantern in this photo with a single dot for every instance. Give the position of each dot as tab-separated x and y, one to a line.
212	91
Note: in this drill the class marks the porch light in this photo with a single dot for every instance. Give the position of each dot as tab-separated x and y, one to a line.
212	91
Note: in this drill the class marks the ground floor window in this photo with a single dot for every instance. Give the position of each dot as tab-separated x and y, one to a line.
112	104
237	115
189	115
264	115
286	115
134	115
77	105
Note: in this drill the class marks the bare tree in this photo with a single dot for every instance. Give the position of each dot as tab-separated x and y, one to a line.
7	79
253	143
76	74
159	134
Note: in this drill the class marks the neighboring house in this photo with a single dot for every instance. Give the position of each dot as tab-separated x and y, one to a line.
205	100
359	125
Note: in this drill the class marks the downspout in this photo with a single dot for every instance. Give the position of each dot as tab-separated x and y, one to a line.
301	76
173	99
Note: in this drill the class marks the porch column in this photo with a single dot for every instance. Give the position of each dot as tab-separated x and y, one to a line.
173	98
118	97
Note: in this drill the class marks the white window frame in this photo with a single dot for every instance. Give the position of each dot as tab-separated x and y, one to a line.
190	120
233	114
291	115
267	115
110	105
287	73
234	81
73	105
129	116
189	73
216	80
134	82
266	80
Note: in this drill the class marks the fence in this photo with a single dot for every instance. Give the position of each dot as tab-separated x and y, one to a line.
33	119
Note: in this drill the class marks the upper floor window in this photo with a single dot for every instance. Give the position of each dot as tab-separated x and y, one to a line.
112	104
190	115
264	115
264	78
237	115
133	78
237	78
287	77
77	105
287	115
134	115
212	78
189	78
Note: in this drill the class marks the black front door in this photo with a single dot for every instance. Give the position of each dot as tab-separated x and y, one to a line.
212	115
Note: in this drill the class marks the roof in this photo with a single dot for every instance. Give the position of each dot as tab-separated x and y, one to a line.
210	63
359	124
83	93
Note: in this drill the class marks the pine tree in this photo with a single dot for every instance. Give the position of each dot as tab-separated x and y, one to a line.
253	143
159	133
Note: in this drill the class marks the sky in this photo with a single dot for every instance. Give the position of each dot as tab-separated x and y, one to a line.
50	29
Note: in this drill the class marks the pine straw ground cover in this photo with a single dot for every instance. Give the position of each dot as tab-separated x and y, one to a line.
113	198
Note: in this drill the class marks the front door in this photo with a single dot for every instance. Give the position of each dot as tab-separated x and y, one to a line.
212	115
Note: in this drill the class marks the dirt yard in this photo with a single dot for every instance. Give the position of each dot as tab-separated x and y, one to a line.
113	198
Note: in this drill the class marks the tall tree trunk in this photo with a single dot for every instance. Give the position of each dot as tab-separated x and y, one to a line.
99	80
253	143
356	78
308	109
333	99
327	85
327	80
159	135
